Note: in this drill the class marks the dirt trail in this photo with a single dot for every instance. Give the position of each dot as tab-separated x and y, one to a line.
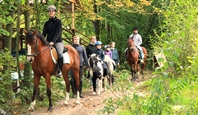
89	105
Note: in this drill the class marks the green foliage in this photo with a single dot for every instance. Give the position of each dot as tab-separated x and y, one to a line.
170	84
6	61
160	95
176	39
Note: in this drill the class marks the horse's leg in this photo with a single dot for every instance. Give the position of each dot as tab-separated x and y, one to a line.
112	79
35	91
48	83
77	81
99	85
142	70
136	71
105	80
94	85
67	85
132	72
109	80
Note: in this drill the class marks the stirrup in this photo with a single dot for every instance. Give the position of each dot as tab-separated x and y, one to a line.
142	61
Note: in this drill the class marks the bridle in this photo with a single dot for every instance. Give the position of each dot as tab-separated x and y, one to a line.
132	48
36	52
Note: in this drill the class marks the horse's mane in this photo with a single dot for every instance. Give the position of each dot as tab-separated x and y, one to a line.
30	37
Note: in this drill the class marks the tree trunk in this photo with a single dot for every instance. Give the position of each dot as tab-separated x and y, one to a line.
27	69
96	22
8	42
17	40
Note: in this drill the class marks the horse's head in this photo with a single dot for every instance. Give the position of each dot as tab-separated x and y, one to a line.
33	36
131	44
93	61
96	67
33	41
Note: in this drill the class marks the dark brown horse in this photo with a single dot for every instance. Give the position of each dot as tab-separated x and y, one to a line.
133	59
43	65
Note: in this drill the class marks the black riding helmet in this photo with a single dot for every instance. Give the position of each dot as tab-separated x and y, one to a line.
135	28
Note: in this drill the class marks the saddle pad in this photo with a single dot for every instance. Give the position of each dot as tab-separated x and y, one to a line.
54	55
66	58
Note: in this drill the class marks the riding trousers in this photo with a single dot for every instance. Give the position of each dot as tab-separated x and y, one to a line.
141	51
59	47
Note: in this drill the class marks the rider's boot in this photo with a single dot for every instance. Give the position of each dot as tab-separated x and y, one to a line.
60	64
142	60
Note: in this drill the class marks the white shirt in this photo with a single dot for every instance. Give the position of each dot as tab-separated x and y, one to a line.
137	39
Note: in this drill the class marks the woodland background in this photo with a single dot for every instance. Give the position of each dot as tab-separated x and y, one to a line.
168	26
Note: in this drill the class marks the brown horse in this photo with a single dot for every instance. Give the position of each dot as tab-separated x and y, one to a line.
132	58
43	65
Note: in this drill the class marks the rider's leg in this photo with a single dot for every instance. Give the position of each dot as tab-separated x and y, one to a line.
59	47
141	53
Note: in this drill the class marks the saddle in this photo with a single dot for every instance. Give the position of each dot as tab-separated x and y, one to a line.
54	55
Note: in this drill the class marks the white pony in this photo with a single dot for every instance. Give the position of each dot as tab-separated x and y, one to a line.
110	63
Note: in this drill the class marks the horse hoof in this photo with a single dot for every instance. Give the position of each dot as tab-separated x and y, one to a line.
50	109
98	93
65	103
94	93
77	102
133	80
30	109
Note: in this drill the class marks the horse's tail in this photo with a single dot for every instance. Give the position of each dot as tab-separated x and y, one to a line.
145	57
145	52
74	56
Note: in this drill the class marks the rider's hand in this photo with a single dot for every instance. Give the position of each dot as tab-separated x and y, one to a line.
51	43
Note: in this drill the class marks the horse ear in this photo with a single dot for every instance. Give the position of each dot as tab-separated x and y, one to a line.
35	32
25	32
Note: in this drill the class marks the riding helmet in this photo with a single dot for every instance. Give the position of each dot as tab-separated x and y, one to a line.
98	43
51	8
107	46
135	28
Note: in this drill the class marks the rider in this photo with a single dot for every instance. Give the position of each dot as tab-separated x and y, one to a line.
108	51
52	29
100	53
138	41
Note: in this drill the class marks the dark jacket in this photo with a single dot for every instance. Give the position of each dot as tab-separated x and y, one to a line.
52	29
90	49
100	54
115	55
82	54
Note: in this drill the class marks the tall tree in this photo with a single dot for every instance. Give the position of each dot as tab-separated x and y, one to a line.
27	70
